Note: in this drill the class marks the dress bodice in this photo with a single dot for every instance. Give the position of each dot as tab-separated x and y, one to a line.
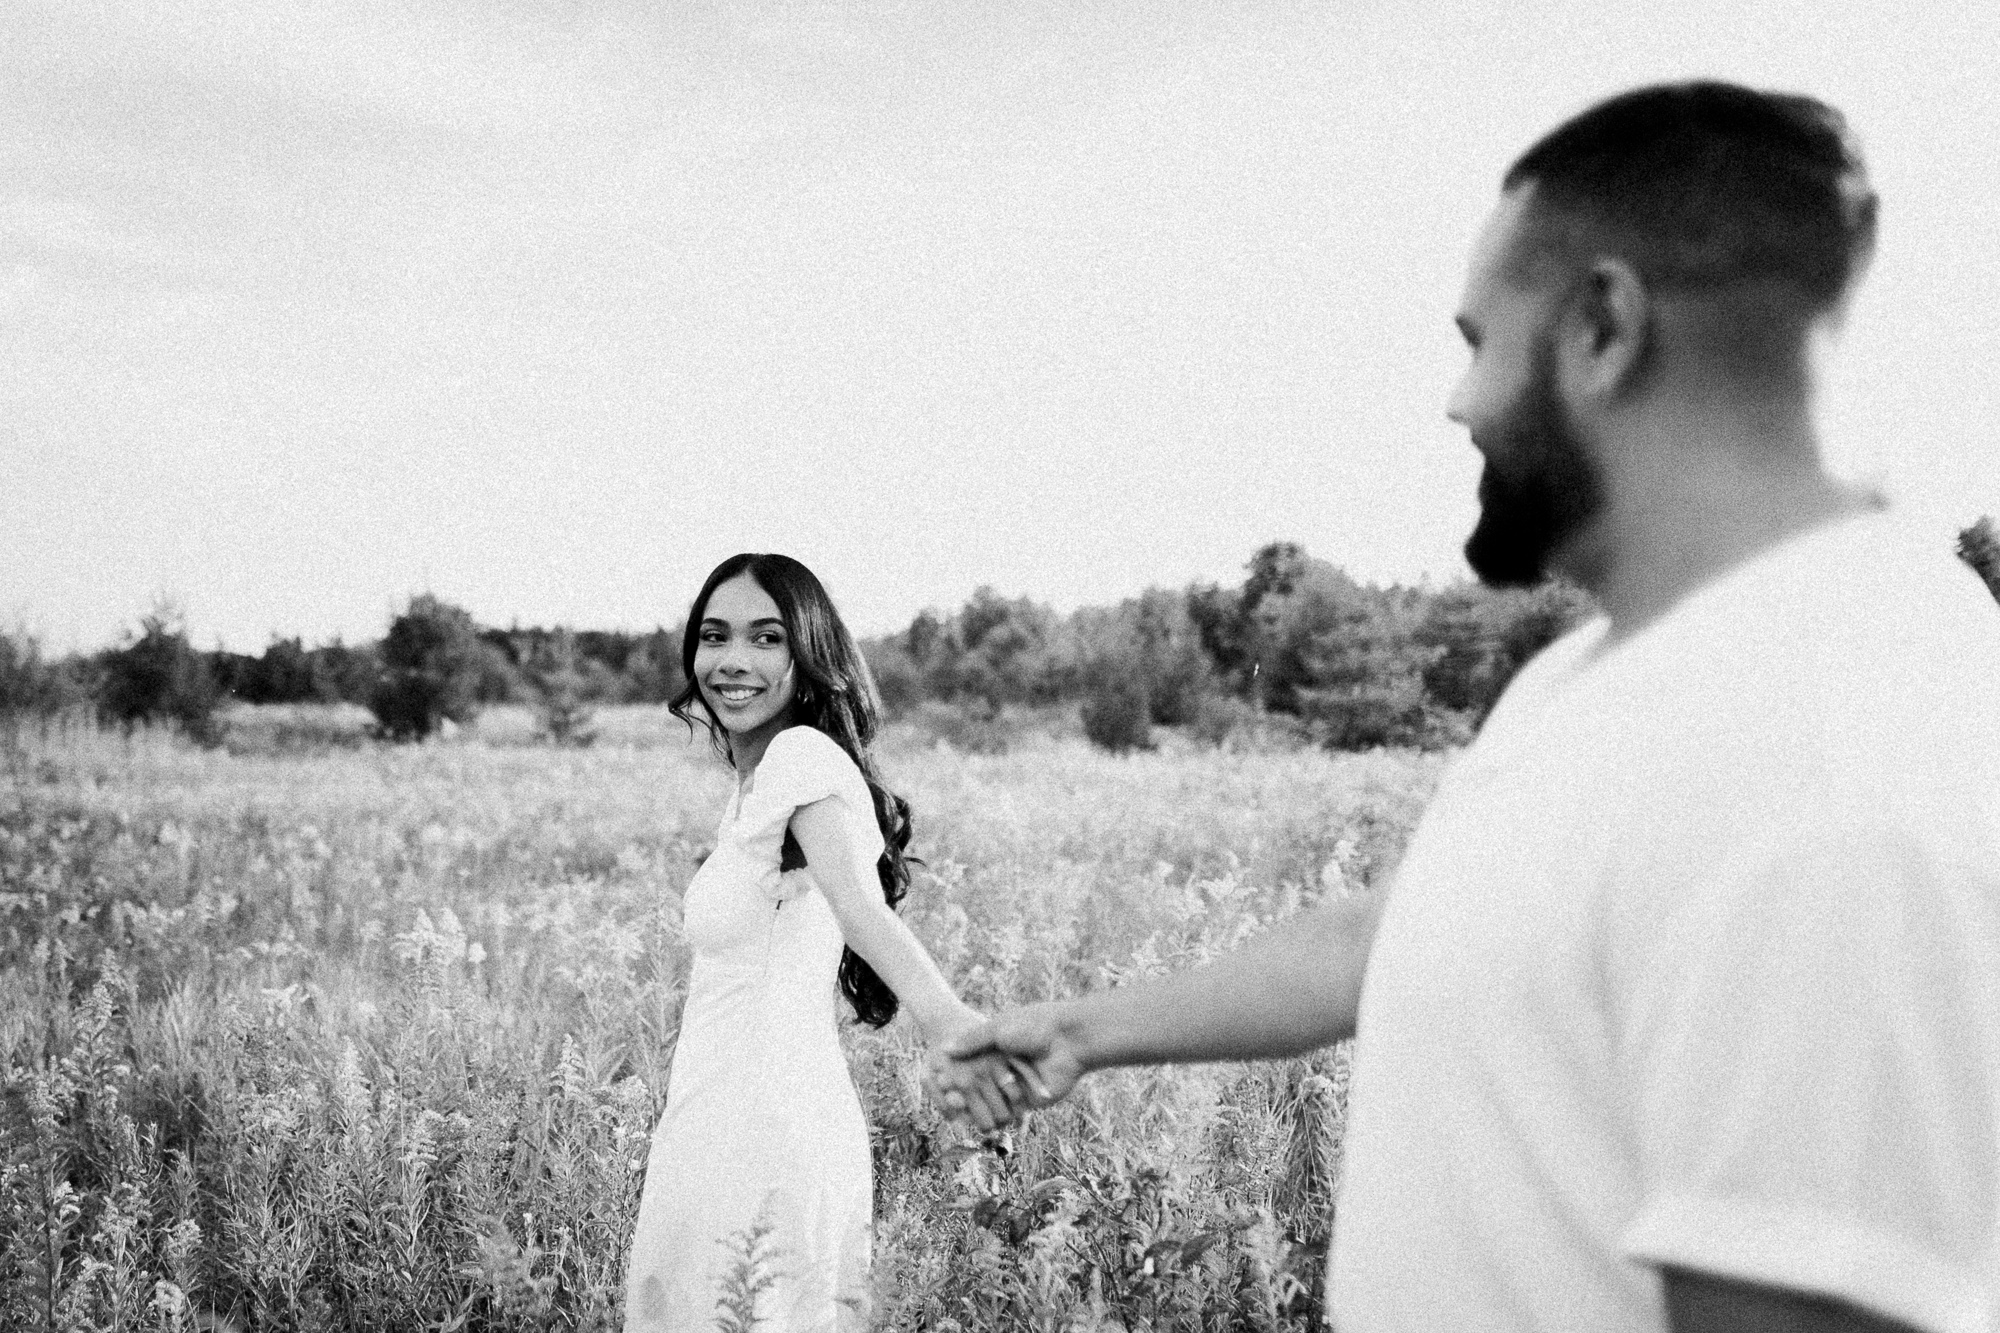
739	908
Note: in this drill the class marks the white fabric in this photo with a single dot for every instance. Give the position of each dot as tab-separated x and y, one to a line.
1695	961
762	1123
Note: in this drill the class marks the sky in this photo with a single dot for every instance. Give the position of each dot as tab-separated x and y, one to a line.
548	307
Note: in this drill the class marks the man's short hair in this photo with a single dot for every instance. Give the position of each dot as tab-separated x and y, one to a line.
1703	185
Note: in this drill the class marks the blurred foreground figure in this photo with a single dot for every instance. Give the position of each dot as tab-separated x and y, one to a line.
1684	1011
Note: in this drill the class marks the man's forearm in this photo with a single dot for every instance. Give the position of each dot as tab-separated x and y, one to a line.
1701	1303
1294	989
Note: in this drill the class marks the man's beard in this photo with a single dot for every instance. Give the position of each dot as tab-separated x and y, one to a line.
1542	490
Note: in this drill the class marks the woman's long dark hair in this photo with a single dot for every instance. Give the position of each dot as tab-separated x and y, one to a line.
834	693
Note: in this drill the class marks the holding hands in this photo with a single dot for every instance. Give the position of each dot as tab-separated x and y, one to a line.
993	1072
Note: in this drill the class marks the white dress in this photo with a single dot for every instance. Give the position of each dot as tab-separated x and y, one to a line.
762	1129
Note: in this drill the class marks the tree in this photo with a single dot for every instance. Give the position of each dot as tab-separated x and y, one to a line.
563	713
159	677
1274	571
653	672
1482	636
1357	673
1149	642
32	686
285	674
432	664
1228	622
898	679
1179	674
995	650
1297	601
348	674
1217	615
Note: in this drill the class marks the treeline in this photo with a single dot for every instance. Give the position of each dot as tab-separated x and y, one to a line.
505	665
431	667
1298	646
435	665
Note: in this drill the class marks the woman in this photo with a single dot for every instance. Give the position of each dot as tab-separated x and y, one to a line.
759	1174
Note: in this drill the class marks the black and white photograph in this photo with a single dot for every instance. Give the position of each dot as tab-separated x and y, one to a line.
1067	666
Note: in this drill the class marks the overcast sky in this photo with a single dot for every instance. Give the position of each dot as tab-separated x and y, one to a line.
547	307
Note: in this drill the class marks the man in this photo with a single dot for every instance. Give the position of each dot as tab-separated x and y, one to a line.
1684	1011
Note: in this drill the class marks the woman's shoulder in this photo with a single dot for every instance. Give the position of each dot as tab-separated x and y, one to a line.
811	750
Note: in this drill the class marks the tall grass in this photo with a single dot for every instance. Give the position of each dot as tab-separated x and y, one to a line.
329	1035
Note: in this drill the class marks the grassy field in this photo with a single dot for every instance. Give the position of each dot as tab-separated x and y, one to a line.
309	1033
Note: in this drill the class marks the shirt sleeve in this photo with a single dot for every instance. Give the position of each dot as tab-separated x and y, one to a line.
1813	1056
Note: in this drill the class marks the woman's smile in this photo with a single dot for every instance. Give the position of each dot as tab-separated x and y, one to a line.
743	659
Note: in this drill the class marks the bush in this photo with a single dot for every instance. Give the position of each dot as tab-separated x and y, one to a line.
286	674
30	687
433	666
350	674
159	678
297	729
1393	712
1117	716
970	726
1239	726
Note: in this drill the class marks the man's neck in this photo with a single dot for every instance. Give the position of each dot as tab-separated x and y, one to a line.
1693	499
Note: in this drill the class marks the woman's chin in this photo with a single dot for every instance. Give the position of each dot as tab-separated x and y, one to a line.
741	727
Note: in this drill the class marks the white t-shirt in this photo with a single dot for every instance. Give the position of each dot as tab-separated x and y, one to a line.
1695	960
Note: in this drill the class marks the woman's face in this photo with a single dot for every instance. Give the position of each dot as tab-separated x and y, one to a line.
743	658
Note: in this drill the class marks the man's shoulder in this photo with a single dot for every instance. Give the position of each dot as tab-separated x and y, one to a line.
1855	612
1542	680
1876	616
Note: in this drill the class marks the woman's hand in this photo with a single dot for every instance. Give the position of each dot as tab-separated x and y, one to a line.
989	1092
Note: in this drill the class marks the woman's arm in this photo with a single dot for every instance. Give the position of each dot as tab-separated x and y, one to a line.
871	929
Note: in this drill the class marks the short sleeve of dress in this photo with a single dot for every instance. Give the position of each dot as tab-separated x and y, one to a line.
800	766
803	765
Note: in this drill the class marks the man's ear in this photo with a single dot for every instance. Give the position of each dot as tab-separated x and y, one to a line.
1608	329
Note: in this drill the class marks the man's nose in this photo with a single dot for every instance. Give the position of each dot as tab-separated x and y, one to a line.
1454	406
